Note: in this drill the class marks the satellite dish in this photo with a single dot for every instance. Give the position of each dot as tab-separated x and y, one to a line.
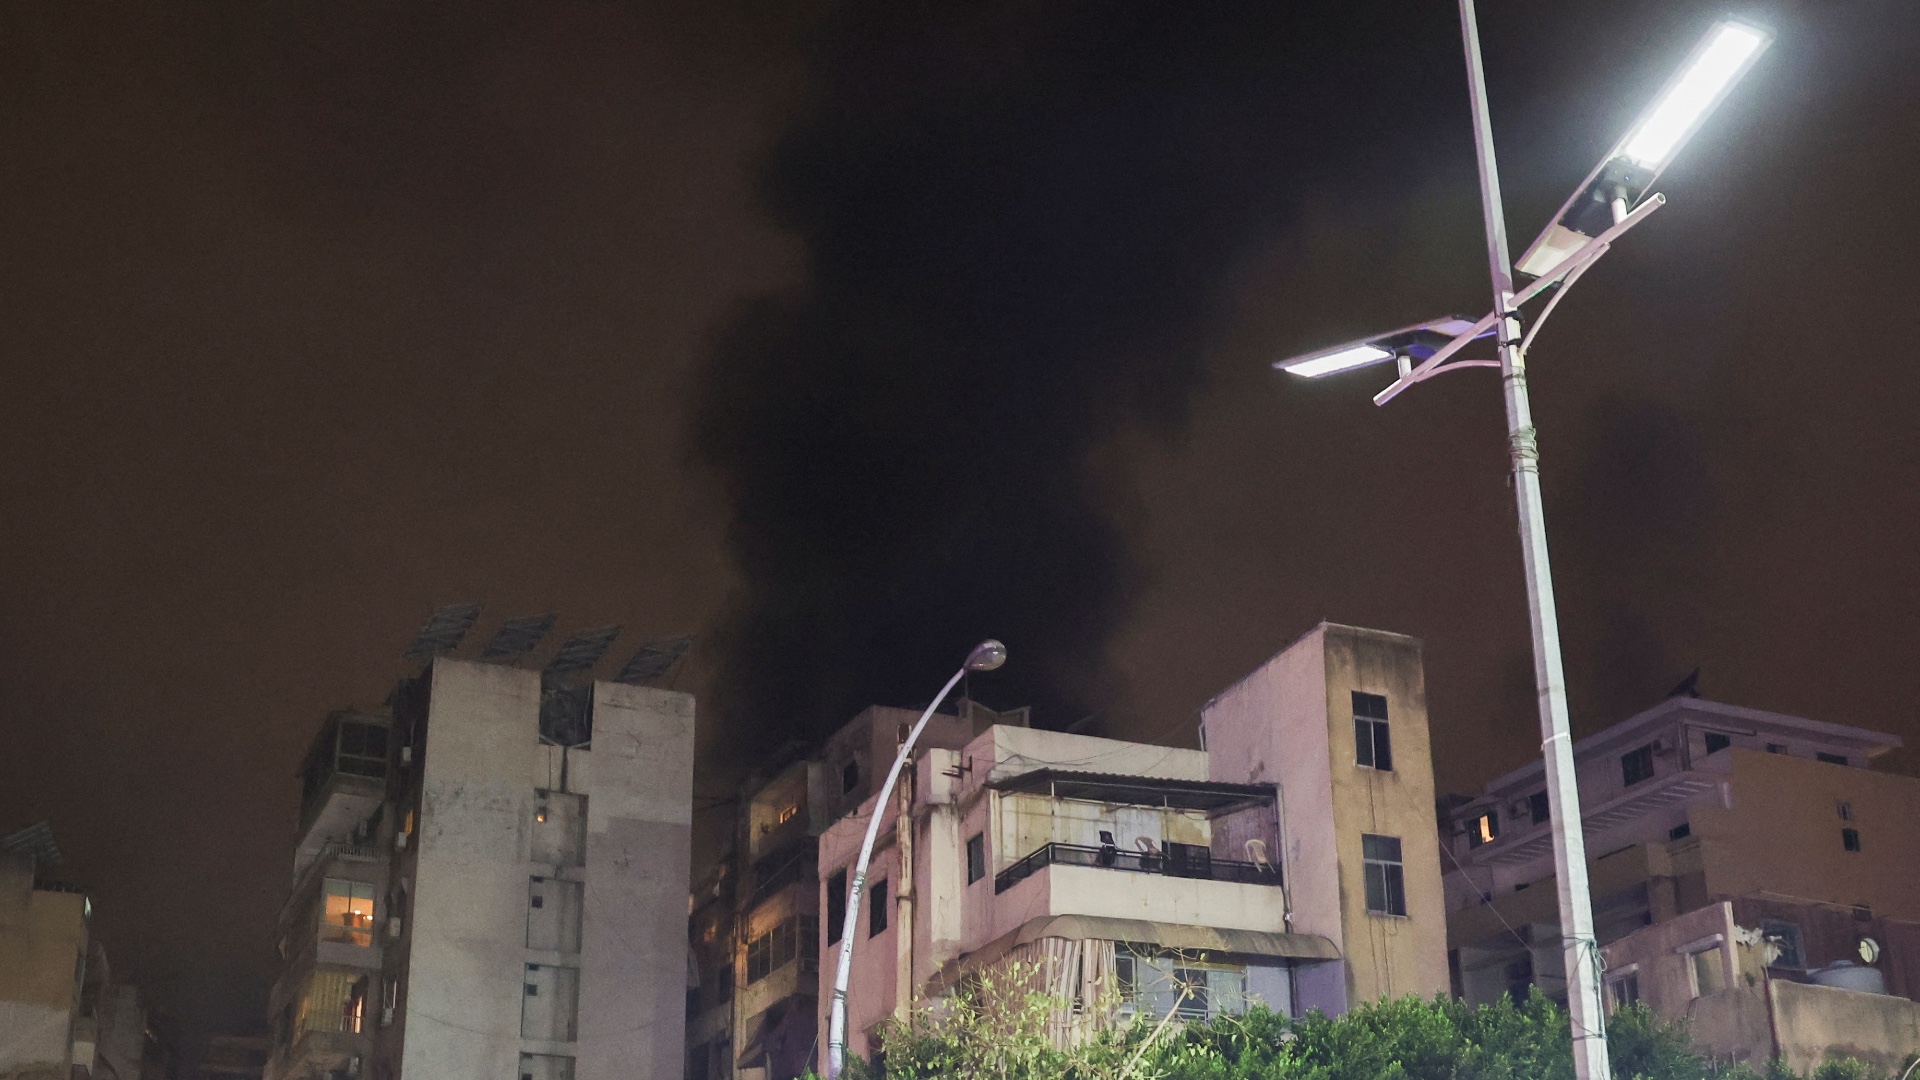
1869	951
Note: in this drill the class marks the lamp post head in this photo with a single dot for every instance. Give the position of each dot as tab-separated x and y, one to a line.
1417	342
986	656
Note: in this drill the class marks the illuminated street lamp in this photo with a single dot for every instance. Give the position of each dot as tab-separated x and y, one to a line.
1611	200
985	656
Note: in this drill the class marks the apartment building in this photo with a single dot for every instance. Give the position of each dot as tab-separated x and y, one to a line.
62	1013
1286	862
753	929
489	882
1749	871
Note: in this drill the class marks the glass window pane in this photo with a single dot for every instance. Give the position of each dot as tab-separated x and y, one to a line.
1376	887
1384	848
1382	747
1362	742
1396	889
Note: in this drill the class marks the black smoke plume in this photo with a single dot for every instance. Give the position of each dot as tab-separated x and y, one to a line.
1019	221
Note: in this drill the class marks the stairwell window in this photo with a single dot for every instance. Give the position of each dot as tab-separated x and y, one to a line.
1372	742
877	909
976	857
1386	875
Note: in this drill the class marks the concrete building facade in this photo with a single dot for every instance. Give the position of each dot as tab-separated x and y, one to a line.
1133	878
753	930
1750	873
489	881
62	1013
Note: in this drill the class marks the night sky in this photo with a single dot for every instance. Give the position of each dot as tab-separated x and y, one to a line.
843	335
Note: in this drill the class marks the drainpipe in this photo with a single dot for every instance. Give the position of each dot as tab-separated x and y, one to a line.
903	842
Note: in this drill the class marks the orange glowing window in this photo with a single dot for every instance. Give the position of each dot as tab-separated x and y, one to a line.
346	913
787	814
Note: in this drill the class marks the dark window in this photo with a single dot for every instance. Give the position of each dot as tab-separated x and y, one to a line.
1624	990
976	857
1372	743
1717	742
1832	759
836	904
1386	875
1776	748
1636	766
849	776
1680	831
363	749
1784	937
1537	802
1850	839
1846	811
1483	829
877	909
789	940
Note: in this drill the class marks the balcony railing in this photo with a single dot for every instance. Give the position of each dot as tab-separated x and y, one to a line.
1180	860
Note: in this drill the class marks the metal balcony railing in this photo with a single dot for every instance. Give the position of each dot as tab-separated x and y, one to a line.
1179	860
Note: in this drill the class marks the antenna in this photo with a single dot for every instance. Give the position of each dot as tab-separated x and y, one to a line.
444	630
654	659
583	650
516	637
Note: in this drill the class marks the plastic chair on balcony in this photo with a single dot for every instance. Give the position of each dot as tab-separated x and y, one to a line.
1109	853
1150	855
1257	855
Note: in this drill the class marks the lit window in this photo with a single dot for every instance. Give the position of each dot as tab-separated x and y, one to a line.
789	940
1372	743
1636	766
1483	829
788	813
976	857
1386	875
347	913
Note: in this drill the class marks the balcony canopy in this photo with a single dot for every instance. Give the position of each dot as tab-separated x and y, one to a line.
1214	798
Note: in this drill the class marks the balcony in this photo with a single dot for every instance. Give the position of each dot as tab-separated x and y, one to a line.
1143	897
1180	860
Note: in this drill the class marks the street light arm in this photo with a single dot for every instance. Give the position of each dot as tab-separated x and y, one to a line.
1568	269
837	1015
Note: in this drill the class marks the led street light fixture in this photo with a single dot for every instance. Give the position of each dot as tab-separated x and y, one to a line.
1624	176
1415	342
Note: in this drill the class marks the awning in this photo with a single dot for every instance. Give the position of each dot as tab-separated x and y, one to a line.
1205	795
1139	931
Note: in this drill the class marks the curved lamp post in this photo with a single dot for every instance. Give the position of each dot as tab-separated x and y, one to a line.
985	656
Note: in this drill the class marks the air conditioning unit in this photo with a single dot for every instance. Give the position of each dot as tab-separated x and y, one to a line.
393	928
406	755
353	1065
386	1016
399	841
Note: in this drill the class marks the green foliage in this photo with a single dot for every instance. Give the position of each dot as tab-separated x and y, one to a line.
996	1029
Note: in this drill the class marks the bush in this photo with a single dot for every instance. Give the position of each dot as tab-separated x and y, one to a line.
999	1032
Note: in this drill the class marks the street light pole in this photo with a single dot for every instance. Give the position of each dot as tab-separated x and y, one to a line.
985	656
1580	951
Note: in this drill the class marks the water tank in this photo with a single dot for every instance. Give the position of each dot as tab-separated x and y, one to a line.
1847	975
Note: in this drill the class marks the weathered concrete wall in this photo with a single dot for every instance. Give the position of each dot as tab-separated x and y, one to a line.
1818	1022
466	969
639	786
